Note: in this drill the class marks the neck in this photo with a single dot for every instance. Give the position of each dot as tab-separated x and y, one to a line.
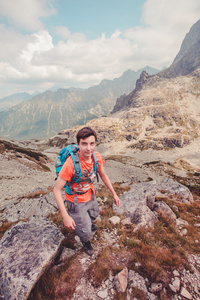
87	159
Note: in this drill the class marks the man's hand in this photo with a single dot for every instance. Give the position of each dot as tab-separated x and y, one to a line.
117	200
69	222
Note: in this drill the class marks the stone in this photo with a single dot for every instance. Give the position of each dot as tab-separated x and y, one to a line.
185	293
26	251
172	288
162	206
156	287
114	220
103	294
176	284
137	281
176	273
66	253
126	221
121	280
183	232
143	217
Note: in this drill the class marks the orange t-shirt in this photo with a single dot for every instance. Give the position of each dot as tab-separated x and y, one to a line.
87	169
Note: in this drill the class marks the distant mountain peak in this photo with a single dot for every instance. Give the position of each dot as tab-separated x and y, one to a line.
188	58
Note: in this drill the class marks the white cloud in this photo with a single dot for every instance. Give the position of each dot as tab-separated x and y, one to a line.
35	63
26	14
166	23
65	34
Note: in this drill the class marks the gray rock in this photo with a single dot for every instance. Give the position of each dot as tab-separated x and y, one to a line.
114	220
172	288
162	206
185	293
139	202
156	287
137	281
121	280
24	208
103	294
176	284
180	225
143	217
26	250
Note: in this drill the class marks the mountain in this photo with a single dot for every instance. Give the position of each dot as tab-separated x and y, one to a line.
160	113
46	114
188	58
9	101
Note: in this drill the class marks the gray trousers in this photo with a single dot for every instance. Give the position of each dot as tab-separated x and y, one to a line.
84	214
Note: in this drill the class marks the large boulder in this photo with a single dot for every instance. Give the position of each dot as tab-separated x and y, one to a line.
26	251
144	200
26	208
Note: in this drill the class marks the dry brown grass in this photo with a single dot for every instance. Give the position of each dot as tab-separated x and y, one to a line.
107	260
4	227
58	283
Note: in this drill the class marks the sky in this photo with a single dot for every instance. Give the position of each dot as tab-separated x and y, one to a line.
48	44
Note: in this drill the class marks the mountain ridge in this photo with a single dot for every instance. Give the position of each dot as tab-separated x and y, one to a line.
45	114
188	58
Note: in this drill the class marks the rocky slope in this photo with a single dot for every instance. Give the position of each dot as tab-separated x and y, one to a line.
27	201
188	58
9	101
159	114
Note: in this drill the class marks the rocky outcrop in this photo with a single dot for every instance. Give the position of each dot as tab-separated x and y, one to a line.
20	152
38	206
188	58
144	201
159	114
26	251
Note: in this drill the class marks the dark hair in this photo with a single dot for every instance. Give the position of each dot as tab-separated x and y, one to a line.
84	133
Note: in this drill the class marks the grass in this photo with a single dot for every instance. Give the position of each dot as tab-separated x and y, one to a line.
58	283
4	227
107	260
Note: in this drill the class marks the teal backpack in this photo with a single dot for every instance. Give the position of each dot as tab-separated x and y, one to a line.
72	150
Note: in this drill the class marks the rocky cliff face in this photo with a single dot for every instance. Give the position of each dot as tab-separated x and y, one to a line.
188	58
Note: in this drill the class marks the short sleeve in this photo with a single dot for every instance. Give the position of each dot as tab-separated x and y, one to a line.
100	160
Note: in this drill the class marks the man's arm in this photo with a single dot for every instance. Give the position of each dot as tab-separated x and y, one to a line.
108	183
57	192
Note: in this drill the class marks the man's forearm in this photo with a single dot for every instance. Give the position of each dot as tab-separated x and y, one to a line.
60	203
108	183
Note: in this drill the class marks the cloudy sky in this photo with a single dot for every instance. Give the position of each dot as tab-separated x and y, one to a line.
77	43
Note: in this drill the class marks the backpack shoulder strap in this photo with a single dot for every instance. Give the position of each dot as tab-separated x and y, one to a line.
96	165
77	166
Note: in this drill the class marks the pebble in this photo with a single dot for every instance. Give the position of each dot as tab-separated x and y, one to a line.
103	294
114	220
176	284
186	294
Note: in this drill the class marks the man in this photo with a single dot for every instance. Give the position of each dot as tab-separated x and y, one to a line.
82	206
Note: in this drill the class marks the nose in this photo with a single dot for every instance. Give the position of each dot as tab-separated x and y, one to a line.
88	147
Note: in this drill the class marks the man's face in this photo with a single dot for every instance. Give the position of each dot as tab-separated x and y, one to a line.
87	147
